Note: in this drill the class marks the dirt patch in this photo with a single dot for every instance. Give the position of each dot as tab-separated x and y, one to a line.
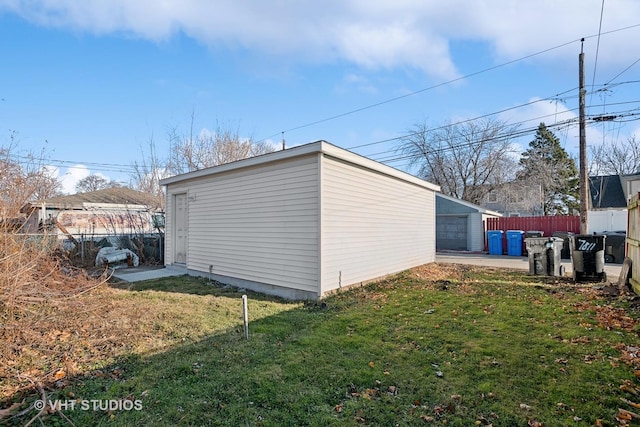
439	272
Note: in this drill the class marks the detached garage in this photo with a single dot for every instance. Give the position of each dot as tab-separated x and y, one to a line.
460	225
299	222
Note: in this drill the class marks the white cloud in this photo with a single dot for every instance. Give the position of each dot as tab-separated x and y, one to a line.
372	34
358	81
71	177
51	171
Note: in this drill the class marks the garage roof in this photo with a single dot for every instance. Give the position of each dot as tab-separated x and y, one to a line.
322	147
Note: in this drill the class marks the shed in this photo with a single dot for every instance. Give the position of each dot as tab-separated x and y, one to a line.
299	223
460	225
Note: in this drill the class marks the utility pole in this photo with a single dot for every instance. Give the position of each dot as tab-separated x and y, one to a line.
584	180
283	144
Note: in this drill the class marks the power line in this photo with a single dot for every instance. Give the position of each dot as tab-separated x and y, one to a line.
595	63
418	91
623	71
471	119
556	96
387	101
504	136
71	164
517	133
566	123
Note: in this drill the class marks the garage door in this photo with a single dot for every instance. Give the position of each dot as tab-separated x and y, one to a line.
451	232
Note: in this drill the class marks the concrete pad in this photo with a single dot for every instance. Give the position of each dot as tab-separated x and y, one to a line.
137	274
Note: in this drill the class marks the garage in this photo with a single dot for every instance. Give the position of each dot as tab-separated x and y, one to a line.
299	223
460	225
451	233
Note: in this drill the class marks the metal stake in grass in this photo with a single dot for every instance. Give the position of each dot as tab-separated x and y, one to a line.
245	316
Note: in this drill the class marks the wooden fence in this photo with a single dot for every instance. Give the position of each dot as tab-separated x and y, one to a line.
633	242
546	224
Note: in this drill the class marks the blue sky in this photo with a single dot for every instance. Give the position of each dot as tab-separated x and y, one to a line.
90	83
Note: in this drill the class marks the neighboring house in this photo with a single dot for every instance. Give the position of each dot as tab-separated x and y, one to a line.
112	211
610	195
299	223
460	225
517	198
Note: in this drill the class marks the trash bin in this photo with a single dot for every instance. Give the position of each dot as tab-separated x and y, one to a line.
514	242
614	248
587	257
544	255
564	235
494	240
531	233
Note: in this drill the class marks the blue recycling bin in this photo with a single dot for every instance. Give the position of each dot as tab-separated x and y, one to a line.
514	242
494	240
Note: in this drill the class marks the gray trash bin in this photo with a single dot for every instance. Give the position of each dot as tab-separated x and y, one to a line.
544	255
531	233
587	257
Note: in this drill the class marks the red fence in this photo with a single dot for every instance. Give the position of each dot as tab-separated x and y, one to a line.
547	224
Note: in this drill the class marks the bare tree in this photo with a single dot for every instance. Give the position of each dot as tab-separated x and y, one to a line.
45	185
465	159
95	183
210	148
192	152
617	158
149	171
22	181
14	191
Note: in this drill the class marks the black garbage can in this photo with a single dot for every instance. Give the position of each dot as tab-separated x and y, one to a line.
587	257
614	248
544	256
564	235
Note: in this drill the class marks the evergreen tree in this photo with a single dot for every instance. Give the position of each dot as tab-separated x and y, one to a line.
547	163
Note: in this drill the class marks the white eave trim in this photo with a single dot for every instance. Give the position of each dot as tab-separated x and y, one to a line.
319	147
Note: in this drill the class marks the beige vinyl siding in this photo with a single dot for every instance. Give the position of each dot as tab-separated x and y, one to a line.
258	223
373	224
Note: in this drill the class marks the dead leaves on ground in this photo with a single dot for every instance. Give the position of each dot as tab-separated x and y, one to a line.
610	317
368	393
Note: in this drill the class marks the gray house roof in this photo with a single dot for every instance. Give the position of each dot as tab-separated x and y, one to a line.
107	196
606	192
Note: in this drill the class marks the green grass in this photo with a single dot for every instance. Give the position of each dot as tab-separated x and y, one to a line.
483	347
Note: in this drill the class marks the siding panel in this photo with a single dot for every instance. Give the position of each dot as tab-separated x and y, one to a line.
373	224
258	224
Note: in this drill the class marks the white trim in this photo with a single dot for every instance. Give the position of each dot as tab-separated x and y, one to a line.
313	148
321	226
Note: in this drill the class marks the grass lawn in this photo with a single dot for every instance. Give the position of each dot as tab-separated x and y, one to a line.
437	345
